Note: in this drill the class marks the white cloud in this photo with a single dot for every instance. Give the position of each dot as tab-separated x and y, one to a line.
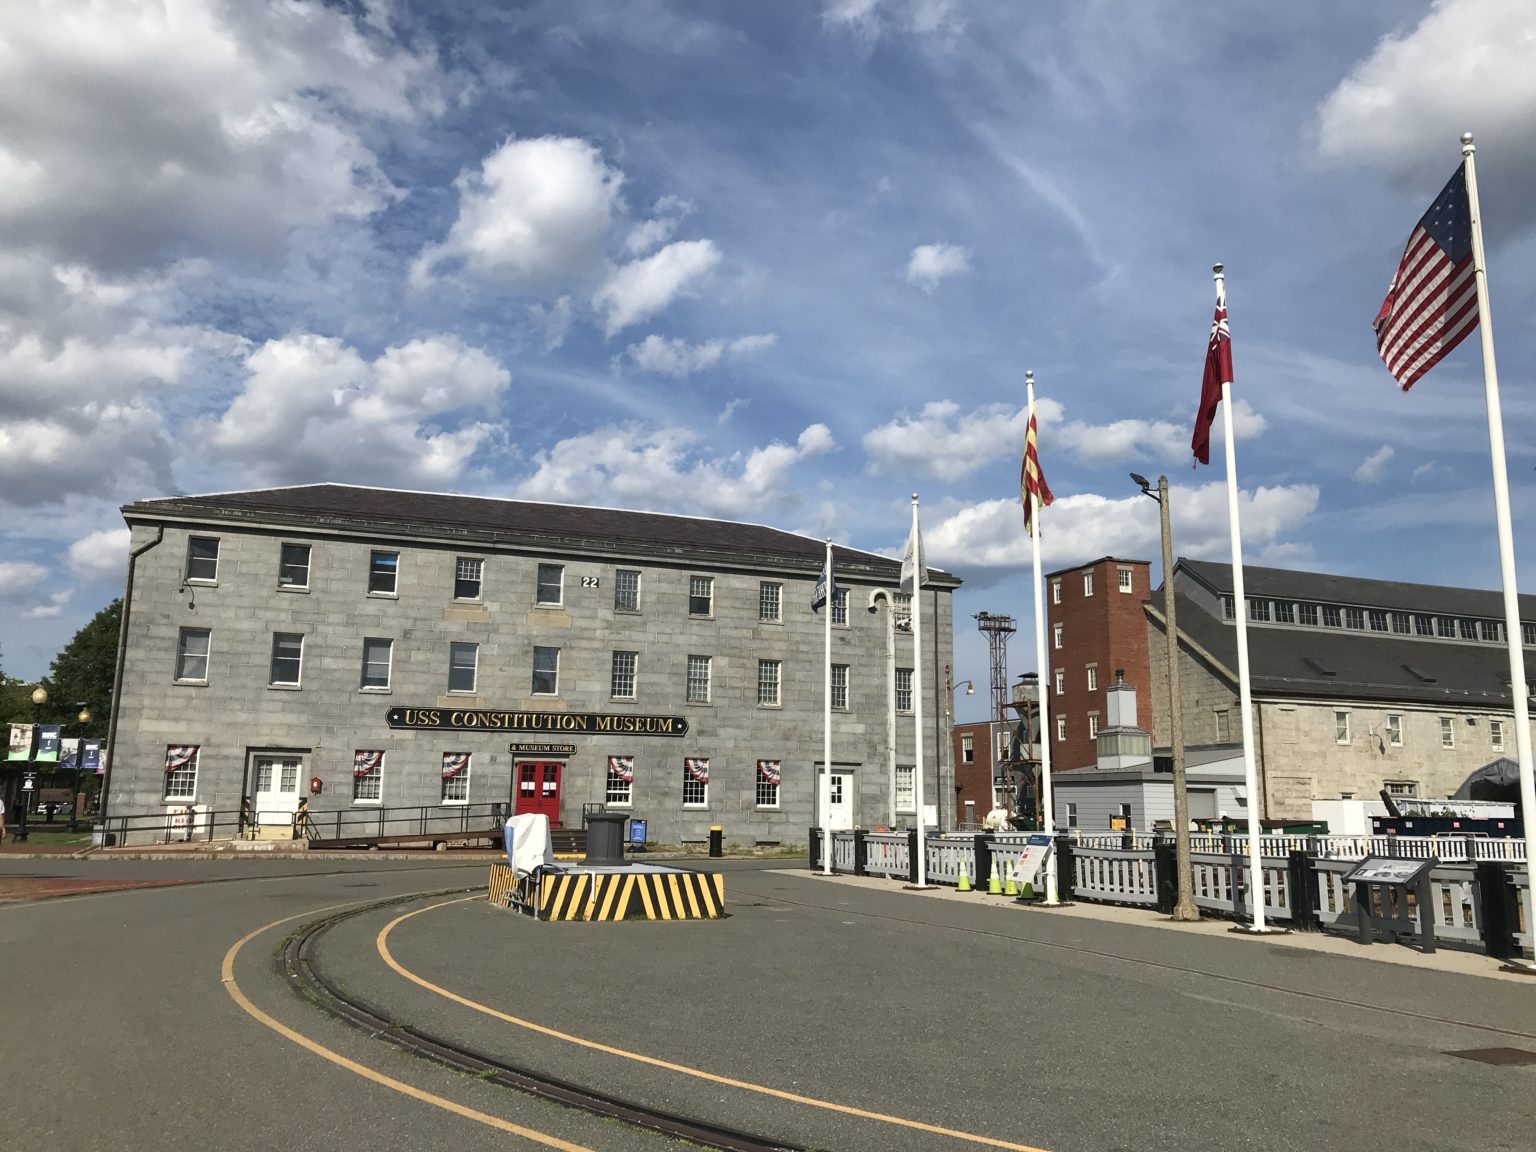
51	607
1466	66
101	555
312	408
535	217
990	534
1374	465
97	448
553	322
663	469
680	358
640	289
870	19
931	263
134	127
1430	468
668	214
19	578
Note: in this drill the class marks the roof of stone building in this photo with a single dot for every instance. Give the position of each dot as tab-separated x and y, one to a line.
1321	588
523	524
1284	660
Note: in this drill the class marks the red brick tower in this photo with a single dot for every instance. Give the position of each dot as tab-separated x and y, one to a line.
1095	627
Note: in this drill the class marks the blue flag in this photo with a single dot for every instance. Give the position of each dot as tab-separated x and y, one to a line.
826	587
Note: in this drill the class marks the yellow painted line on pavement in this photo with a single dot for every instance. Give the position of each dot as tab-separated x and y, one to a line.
683	1069
228	972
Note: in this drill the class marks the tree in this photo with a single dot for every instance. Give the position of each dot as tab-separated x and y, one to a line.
83	672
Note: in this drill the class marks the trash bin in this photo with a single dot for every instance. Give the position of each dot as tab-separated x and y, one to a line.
605	838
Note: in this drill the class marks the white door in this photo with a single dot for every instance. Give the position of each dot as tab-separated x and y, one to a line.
840	801
276	789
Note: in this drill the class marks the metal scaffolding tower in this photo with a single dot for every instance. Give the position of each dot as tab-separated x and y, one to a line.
997	630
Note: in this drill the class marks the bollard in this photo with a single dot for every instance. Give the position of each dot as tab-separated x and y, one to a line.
716	842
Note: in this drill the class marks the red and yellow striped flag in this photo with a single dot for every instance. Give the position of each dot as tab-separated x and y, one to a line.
1031	479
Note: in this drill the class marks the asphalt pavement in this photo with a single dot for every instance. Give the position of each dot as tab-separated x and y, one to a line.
838	1015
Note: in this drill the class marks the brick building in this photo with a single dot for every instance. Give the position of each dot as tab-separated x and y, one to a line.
421	650
1096	627
973	751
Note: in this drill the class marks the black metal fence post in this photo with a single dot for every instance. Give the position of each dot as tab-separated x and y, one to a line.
912	856
813	841
1305	893
1066	871
1166	869
860	852
983	860
1498	908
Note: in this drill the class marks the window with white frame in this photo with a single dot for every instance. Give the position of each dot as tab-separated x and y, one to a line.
1307	614
1527	634
698	679
1333	616
1056	635
1093	725
1341	727
1445	627
1087	583
1423	625
293	566
840	686
1258	610
1229	607
626	590
840	607
903	689
287	659
768	673
467	572
1126	580
1061	681
770	597
1055	591
549	589
1378	617
1496	735
383	573
1061	729
901	611
1402	623
181	771
1408	789
695	783
463	662
1354	618
1394	729
1447	732
622	682
619	791
1093	677
701	595
202	560
455	778
546	670
1285	612
1071	815
769	773
1491	631
192	646
377	654
367	776
967	749
906	792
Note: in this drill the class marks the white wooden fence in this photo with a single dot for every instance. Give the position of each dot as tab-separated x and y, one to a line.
1448	848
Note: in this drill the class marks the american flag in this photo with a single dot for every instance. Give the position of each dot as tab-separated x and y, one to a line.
622	767
1218	371
1432	303
454	763
769	770
365	762
179	756
697	770
1031	479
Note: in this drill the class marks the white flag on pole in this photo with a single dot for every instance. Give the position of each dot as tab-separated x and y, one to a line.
914	572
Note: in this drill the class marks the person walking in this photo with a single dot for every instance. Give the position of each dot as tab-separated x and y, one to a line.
2	819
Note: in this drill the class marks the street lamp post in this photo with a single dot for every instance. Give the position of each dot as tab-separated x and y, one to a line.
950	688
83	717
1184	907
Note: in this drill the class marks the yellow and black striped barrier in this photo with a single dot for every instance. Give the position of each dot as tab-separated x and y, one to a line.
652	894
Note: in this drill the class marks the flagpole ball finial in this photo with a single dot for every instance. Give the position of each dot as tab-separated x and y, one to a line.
1466	139
1029	374
1217	268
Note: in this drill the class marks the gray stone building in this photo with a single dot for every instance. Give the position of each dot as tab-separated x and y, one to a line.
414	650
1358	685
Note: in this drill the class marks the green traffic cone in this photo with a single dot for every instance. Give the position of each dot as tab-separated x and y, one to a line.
965	881
995	884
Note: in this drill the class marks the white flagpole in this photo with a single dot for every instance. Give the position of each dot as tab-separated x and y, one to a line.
1255	894
825	786
1517	685
920	687
1048	814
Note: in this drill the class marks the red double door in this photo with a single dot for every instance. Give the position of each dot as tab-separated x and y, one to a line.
538	788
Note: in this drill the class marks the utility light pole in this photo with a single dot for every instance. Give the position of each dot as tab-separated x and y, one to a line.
1184	907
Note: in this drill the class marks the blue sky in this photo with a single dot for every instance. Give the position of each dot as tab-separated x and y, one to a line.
781	262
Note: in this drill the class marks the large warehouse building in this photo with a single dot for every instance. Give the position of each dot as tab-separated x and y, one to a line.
369	649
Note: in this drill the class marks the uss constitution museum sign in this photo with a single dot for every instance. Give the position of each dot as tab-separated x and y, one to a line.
491	720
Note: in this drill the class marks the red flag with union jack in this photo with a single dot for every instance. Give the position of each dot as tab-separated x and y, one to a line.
1218	371
1031	479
